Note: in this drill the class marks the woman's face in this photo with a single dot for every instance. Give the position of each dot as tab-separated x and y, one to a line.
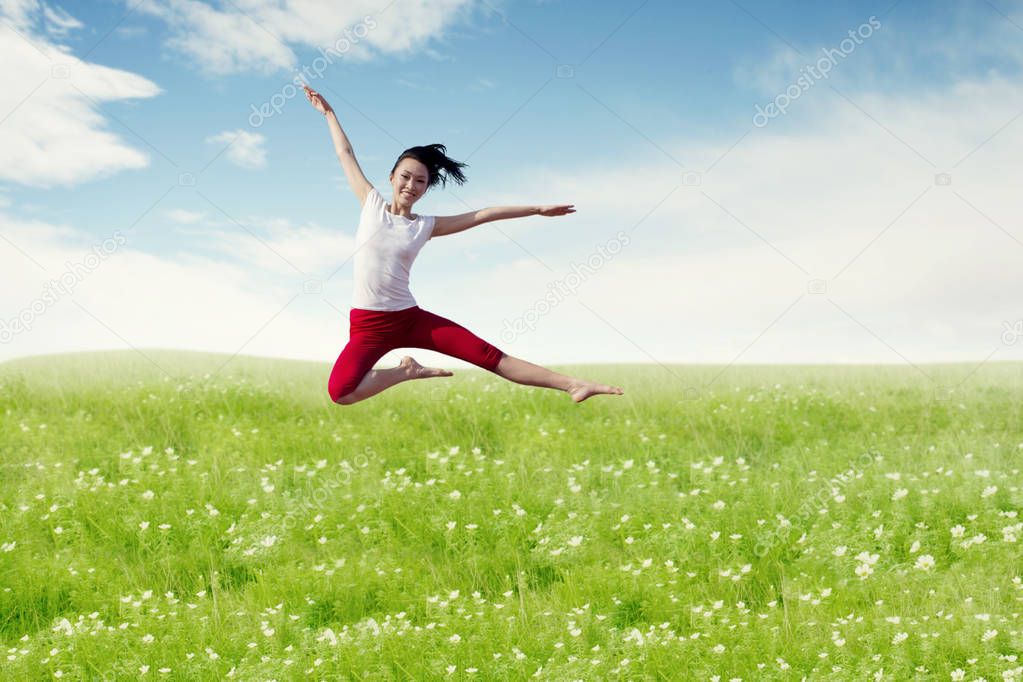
408	181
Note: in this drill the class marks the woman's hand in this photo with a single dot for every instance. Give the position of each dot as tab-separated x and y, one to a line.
316	99
560	209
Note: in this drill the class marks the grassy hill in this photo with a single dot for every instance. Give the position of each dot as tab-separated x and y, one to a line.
207	516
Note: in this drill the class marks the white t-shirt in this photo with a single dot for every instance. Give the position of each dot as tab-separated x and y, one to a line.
386	245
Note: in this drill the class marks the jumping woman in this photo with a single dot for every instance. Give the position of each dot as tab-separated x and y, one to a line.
384	315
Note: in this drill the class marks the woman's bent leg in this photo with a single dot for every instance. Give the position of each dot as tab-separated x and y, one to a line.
372	334
377	380
352	367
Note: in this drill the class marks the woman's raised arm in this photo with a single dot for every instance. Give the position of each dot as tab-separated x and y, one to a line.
356	178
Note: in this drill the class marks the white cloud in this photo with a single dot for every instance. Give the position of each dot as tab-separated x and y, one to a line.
151	300
53	133
21	14
243	148
262	35
180	215
130	32
59	22
277	246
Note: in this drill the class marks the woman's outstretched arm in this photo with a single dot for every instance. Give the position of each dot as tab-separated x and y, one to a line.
450	224
356	179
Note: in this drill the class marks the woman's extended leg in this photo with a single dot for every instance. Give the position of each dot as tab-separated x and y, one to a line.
522	372
441	334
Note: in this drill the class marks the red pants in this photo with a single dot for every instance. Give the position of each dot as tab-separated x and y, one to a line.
374	333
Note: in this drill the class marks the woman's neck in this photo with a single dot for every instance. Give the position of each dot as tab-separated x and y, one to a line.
407	214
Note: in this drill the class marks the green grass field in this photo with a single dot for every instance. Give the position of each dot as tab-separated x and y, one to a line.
192	520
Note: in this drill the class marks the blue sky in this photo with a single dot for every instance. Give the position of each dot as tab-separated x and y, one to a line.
118	101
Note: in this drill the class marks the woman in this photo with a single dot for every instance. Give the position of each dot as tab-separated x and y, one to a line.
384	314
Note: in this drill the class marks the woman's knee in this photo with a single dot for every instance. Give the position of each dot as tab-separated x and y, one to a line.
341	393
346	399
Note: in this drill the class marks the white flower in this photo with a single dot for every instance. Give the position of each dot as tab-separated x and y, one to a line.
957	531
268	541
840	550
148	495
455	638
575	540
915	547
867	558
454	494
958	674
989	491
864	570
975	540
924	562
989	635
899	494
900	637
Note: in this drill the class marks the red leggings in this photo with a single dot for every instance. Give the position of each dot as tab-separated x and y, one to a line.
373	333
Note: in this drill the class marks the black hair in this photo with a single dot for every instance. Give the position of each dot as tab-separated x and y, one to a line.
440	166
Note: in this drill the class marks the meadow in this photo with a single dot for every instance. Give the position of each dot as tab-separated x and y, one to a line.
194	517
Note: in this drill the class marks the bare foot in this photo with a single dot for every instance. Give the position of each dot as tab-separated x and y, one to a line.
416	371
584	389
